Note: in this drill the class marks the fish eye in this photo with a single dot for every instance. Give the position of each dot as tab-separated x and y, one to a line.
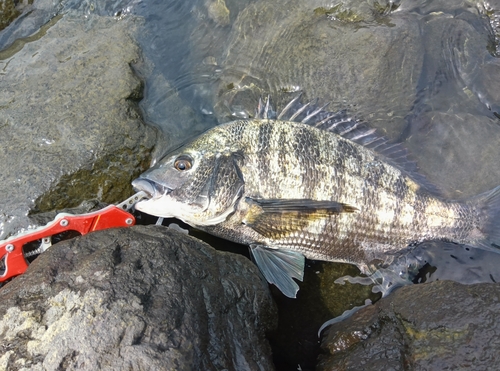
183	163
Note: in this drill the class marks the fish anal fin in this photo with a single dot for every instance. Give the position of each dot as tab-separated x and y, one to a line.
280	267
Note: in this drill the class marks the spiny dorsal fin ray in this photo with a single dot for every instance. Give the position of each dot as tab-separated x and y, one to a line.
355	130
266	108
299	111
314	113
279	267
288	106
265	111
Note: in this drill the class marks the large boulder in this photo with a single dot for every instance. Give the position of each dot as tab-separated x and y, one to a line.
143	298
438	326
70	129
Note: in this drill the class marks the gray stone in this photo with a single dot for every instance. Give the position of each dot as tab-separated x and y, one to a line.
143	298
438	326
33	14
69	125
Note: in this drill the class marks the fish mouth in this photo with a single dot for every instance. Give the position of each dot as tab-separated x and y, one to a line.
153	189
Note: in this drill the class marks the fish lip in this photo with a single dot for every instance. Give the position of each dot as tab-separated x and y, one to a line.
153	189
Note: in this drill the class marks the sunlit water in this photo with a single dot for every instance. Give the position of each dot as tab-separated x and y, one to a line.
425	73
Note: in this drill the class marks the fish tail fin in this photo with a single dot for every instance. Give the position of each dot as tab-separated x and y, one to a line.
488	205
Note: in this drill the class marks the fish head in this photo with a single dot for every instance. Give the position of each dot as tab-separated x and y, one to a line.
199	184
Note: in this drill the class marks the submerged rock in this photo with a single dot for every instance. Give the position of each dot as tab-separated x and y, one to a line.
143	298
70	130
453	121
367	64
438	326
458	151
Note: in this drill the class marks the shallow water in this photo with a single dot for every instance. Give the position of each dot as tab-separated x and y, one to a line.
425	73
410	69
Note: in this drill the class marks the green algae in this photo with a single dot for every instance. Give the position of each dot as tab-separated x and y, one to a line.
8	13
428	343
106	180
339	13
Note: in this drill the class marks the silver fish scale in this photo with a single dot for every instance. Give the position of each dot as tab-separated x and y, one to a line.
286	160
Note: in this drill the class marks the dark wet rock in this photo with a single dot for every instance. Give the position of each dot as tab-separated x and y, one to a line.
286	46
144	298
438	326
320	299
70	129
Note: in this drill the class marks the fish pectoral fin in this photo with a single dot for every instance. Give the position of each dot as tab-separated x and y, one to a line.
274	218
279	267
306	206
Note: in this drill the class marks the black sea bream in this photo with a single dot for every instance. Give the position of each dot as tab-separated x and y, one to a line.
309	183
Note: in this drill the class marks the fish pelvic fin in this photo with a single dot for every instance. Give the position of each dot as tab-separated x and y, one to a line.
280	267
488	205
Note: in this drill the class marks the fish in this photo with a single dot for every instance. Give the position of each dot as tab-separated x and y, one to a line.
308	183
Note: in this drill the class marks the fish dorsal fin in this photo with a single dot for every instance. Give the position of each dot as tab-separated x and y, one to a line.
280	267
342	124
265	110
